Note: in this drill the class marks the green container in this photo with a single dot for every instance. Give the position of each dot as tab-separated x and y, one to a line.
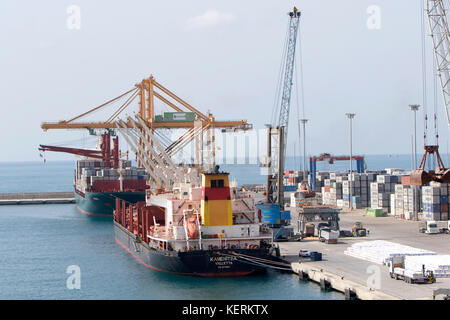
176	117
374	212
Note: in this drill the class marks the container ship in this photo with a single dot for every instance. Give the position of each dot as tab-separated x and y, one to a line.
212	230
102	178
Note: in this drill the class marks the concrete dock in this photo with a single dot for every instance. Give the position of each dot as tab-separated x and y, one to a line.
359	277
36	198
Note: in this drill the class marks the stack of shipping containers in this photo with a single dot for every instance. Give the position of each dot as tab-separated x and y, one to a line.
435	201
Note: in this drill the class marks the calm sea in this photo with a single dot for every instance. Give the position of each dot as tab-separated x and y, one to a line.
39	243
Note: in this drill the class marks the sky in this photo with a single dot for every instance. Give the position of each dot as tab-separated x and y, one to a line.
222	56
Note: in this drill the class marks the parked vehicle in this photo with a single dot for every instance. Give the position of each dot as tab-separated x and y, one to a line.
434	227
345	233
303	253
397	271
329	236
358	230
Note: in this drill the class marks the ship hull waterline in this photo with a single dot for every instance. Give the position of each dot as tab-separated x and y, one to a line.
204	263
103	204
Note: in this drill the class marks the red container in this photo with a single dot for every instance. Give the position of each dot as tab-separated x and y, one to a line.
406	180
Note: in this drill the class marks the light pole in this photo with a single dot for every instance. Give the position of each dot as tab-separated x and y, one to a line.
303	122
414	108
350	116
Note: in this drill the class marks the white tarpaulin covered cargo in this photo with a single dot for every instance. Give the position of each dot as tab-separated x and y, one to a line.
439	264
379	251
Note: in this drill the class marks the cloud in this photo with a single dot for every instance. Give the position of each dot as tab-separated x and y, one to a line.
209	18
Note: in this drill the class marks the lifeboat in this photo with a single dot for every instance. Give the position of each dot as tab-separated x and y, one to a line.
192	227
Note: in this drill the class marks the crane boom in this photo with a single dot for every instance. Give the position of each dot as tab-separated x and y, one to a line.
438	24
289	70
95	154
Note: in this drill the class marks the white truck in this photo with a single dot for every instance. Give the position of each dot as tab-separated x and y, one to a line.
397	271
328	235
434	227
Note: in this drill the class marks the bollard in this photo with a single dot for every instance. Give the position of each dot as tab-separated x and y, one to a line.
324	284
350	294
303	275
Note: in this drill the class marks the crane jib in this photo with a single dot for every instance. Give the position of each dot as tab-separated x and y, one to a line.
440	35
288	72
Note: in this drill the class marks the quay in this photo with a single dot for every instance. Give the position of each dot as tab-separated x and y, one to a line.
356	277
37	198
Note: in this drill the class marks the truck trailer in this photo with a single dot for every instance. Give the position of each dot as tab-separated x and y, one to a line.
397	271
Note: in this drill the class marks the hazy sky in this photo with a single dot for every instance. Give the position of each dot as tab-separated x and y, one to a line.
217	55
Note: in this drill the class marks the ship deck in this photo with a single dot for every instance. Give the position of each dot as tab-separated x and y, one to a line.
163	236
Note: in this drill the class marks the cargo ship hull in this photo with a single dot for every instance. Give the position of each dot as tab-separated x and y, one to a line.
206	263
103	203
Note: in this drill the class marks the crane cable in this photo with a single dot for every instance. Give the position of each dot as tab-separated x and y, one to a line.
124	105
101	106
424	74
300	62
276	102
298	115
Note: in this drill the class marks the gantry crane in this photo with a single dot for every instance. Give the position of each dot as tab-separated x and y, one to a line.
360	164
145	93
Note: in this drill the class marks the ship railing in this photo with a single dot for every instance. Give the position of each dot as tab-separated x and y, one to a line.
161	237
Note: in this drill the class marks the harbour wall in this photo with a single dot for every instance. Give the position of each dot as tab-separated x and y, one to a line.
36	198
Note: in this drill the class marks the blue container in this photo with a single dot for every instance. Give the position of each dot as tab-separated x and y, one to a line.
285	215
315	256
346	197
356	199
429	207
290	188
270	213
434	207
444	200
